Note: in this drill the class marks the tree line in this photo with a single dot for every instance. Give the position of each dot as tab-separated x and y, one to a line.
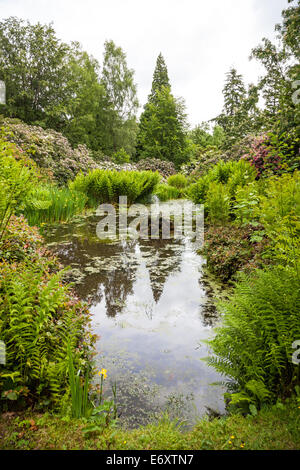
60	86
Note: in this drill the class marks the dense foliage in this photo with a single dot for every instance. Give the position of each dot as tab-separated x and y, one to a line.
254	345
257	233
102	186
221	181
68	139
162	127
230	248
39	315
67	93
49	149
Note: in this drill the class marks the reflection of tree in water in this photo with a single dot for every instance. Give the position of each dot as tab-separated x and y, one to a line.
109	269
164	260
117	287
209	311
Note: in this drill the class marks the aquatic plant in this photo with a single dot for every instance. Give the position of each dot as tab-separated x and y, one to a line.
81	406
48	203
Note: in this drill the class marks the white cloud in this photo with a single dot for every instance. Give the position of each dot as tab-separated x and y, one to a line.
199	39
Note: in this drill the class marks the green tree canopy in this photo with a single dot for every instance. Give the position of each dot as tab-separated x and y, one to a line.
33	64
162	127
120	104
240	113
163	133
55	85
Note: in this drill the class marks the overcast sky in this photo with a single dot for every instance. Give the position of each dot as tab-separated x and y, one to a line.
199	39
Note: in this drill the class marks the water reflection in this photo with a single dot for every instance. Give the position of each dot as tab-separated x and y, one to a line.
151	309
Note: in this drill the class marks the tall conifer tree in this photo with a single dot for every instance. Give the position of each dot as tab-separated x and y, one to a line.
162	127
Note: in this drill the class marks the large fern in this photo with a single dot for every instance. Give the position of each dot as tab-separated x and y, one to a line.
260	322
38	319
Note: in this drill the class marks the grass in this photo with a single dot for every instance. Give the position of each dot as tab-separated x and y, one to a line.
273	428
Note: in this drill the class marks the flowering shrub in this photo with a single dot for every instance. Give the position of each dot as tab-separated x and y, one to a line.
165	192
263	156
49	149
49	203
165	168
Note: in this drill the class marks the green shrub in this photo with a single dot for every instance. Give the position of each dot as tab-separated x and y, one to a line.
177	181
197	191
81	407
242	174
164	192
222	171
232	173
278	211
281	198
253	347
49	149
17	176
217	203
121	156
101	186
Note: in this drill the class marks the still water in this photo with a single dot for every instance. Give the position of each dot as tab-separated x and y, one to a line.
151	309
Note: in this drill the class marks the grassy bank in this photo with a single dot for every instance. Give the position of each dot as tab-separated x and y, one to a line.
276	427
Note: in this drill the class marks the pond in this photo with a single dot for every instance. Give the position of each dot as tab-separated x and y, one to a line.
151	309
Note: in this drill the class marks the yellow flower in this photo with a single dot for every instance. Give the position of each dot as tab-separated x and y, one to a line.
231	437
103	372
242	445
230	442
125	442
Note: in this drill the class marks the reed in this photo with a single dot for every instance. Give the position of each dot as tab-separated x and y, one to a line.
79	392
48	203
